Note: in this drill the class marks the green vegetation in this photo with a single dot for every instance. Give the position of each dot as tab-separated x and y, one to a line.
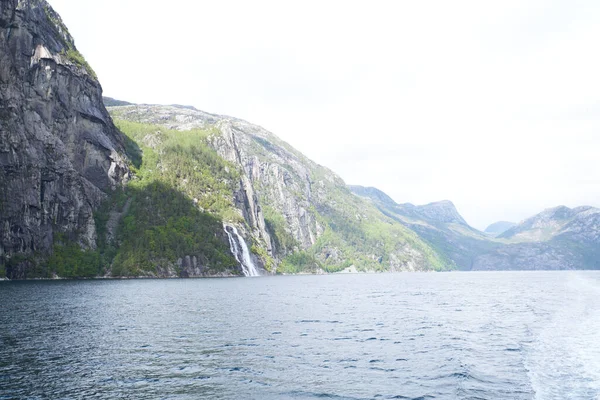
184	162
163	225
181	194
69	260
276	224
69	51
174	207
267	260
163	222
77	58
301	261
356	234
26	265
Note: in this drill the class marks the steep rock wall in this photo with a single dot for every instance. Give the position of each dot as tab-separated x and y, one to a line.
59	150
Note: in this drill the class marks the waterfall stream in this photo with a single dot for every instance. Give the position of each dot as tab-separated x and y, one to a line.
240	251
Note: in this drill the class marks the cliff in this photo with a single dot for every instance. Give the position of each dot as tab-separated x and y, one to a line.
60	153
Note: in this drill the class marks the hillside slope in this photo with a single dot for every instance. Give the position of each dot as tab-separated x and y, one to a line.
296	215
439	223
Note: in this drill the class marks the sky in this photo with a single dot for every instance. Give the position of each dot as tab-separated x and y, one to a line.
494	105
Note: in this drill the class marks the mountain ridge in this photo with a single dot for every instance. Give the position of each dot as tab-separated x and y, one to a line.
556	238
140	190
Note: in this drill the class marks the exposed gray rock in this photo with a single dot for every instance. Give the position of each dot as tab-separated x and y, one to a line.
113	221
59	150
440	212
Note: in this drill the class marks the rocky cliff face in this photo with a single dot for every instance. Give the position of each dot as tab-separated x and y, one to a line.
59	150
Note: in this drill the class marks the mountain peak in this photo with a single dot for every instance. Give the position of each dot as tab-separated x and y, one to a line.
547	224
443	211
372	193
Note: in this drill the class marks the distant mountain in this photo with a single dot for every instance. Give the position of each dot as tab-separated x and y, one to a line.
439	212
498	228
439	223
372	193
557	238
110	102
547	224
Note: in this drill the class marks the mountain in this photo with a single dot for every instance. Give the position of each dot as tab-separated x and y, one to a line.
439	223
557	238
110	102
60	153
297	215
548	224
181	193
499	227
172	191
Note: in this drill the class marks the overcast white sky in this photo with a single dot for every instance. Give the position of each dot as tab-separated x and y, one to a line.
494	105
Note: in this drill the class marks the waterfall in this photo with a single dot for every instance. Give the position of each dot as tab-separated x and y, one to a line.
239	248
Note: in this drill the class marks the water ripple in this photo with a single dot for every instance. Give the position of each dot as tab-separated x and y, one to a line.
405	336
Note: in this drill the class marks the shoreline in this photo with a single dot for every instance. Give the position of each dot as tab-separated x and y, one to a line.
123	278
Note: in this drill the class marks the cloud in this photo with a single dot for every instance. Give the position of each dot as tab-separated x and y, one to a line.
494	105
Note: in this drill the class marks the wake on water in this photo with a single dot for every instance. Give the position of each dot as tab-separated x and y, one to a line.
563	356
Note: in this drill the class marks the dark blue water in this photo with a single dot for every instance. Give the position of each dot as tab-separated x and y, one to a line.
529	335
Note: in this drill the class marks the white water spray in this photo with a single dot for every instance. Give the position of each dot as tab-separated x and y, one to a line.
240	251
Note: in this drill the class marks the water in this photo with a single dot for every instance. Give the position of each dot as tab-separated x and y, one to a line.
239	249
528	335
